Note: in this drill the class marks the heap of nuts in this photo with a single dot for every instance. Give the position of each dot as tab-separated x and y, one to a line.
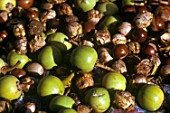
84	56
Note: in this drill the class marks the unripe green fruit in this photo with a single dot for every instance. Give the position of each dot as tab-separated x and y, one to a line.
59	37
50	85
127	2
114	80
85	5
109	23
150	97
9	87
98	99
49	57
84	58
67	110
6	5
2	63
14	57
108	8
61	101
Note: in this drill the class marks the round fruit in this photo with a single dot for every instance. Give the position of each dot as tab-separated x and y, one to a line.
67	110
85	5
9	87
49	57
7	5
14	57
98	99
150	97
50	85
109	23
114	80
25	3
60	37
108	8
2	63
61	101
84	58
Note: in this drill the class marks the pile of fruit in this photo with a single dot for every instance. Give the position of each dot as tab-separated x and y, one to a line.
84	56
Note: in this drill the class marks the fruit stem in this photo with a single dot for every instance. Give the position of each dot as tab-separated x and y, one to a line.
67	80
104	67
73	42
26	84
5	70
154	70
165	48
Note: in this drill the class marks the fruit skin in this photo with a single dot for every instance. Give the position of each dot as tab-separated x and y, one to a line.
25	3
13	58
60	37
49	57
108	8
2	63
67	110
150	97
3	4
85	5
114	80
50	85
98	98
59	102
84	58
8	88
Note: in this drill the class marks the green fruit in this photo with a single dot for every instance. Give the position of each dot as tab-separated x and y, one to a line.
60	37
84	58
7	5
98	99
50	85
114	80
49	57
85	5
108	8
127	2
150	97
2	63
14	57
61	101
109	23
67	110
9	87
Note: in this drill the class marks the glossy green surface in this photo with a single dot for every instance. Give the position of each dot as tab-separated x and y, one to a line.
49	57
84	58
50	85
99	99
85	5
59	102
14	57
8	88
114	80
150	97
